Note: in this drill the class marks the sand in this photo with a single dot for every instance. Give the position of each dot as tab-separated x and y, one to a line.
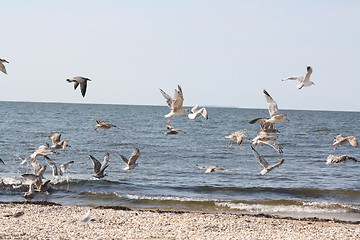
51	221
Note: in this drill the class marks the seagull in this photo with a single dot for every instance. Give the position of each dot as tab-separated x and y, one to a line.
275	116
173	130
264	163
2	66
237	137
102	124
131	162
263	138
100	168
337	159
210	169
265	126
42	151
57	143
63	166
340	140
304	80
37	180
79	80
195	112
176	104
86	217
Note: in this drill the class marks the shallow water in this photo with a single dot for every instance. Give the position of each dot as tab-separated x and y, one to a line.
167	176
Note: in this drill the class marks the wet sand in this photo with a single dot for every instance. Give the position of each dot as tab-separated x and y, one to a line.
51	221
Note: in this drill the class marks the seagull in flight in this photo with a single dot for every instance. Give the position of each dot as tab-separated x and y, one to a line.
131	162
100	168
340	140
79	80
337	159
303	80
2	66
62	168
237	137
267	167
175	104
210	169
102	125
263	138
56	142
195	112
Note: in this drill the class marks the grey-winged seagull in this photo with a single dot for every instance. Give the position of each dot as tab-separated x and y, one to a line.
210	169
100	168
267	167
237	137
57	143
102	125
131	162
82	81
175	104
303	80
55	171
341	140
263	138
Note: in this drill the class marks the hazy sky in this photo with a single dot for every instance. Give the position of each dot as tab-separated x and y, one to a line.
223	53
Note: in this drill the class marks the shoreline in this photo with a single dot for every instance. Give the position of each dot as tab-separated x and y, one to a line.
46	220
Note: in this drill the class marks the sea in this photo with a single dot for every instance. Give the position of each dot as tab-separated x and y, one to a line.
167	176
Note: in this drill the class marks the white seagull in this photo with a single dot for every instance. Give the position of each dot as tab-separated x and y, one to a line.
195	112
264	163
304	80
79	80
102	125
340	140
176	104
2	66
131	162
100	168
263	138
337	159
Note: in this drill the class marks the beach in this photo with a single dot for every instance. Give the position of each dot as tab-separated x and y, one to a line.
53	221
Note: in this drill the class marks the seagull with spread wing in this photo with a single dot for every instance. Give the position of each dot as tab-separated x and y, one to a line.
341	140
303	80
82	81
175	104
195	112
267	167
100	168
131	162
338	159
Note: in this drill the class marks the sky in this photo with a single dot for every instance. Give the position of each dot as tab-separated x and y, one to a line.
222	53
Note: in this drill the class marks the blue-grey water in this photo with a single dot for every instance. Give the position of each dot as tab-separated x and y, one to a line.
167	177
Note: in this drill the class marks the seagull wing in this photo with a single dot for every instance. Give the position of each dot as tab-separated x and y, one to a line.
272	105
261	159
97	164
299	79
195	108
52	164
123	158
169	100
83	86
55	138
65	166
134	156
105	162
353	141
277	164
177	104
273	145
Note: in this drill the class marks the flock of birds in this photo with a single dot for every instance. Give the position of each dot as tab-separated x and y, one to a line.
266	136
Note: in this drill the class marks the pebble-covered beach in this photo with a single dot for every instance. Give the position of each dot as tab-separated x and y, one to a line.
37	221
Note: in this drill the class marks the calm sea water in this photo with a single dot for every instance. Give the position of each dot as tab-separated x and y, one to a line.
167	177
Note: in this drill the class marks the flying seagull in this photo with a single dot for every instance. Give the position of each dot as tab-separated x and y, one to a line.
42	151
340	140
176	104
79	80
337	159
100	168
237	137
195	112
131	162
173	130
210	169
303	80
57	143
62	168
2	66
263	138
102	125
264	163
